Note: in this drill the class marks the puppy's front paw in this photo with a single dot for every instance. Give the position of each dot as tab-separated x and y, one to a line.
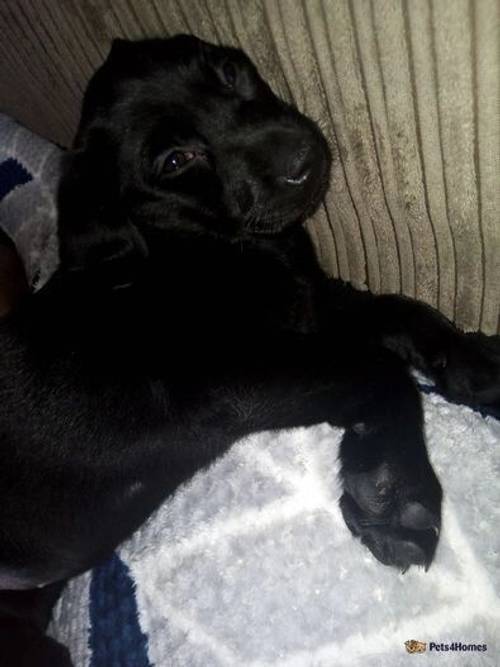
398	518
470	371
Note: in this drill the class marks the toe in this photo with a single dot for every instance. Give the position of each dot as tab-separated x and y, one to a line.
414	515
406	553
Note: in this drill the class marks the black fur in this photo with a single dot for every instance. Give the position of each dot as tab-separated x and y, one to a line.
188	311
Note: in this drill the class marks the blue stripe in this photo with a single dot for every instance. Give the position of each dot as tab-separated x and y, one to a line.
12	174
115	639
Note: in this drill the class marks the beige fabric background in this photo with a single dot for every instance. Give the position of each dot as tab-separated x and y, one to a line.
407	92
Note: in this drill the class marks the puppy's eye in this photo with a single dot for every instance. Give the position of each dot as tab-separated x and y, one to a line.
175	160
230	73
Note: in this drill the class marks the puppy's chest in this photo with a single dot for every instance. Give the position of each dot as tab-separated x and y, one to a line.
229	291
292	307
266	296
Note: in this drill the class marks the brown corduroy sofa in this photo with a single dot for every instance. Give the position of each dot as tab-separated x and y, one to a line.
407	92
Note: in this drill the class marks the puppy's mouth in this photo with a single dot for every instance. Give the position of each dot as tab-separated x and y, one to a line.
274	219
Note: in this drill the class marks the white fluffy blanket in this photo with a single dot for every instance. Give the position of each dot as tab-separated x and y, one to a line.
251	565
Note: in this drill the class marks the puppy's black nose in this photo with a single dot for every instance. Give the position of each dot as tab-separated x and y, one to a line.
299	166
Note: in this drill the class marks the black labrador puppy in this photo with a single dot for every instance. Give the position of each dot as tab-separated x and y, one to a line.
188	311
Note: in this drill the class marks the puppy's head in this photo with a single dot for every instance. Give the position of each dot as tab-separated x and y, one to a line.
182	134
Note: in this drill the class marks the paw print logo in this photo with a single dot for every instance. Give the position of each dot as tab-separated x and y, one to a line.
414	646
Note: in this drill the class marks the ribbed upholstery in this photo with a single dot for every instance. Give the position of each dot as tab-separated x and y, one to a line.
408	94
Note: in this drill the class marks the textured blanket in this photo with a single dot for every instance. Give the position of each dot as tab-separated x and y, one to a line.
250	563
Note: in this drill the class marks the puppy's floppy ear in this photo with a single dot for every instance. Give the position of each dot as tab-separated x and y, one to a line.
95	235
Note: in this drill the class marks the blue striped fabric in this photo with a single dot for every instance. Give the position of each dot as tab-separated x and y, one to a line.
115	639
12	174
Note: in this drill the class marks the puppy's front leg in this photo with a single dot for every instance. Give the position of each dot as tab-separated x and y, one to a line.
392	497
466	367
